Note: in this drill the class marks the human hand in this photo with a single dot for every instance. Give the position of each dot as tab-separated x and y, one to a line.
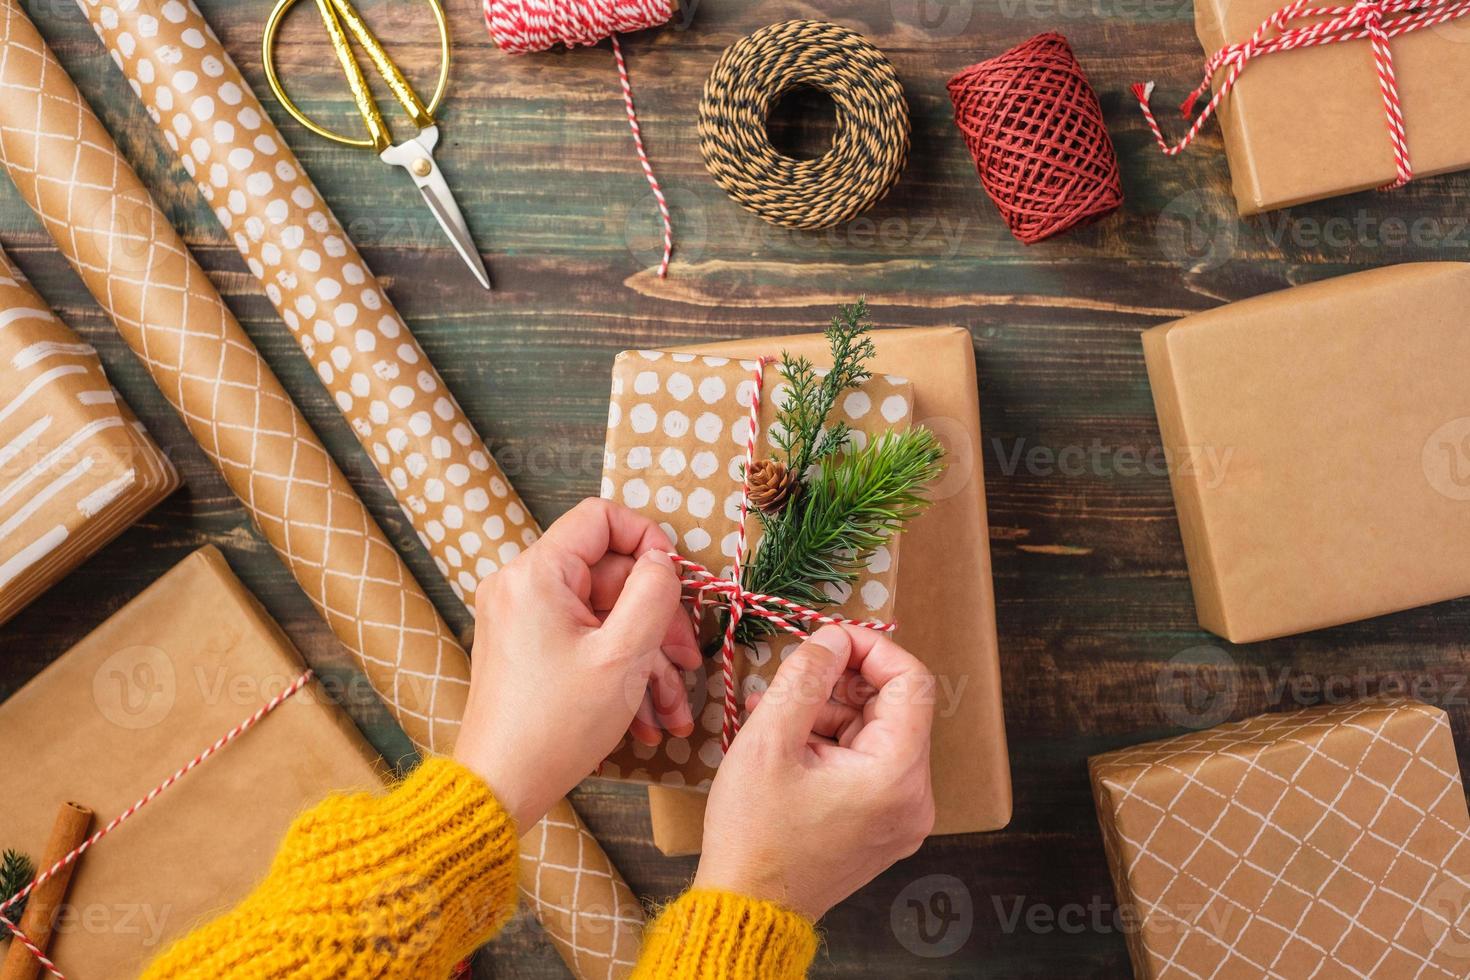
827	783
570	639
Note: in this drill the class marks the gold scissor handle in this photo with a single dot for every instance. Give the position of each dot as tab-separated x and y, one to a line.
336	13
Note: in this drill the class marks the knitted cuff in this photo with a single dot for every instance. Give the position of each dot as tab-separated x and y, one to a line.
429	870
714	935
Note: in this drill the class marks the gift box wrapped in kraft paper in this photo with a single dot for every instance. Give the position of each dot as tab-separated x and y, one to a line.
945	604
1328	842
163	678
676	445
76	468
1311	123
1319	440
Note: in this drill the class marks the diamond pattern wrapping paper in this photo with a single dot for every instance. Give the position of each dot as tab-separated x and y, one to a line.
1330	842
454	495
677	426
76	468
165	307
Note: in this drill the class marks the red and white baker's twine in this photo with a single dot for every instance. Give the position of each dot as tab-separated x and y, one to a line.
783	613
1379	21
149	797
524	26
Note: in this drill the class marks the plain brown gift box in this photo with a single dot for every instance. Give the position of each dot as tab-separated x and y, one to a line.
1327	842
1308	124
176	668
1317	440
946	600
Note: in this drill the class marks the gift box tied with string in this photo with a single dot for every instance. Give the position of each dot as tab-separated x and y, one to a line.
678	427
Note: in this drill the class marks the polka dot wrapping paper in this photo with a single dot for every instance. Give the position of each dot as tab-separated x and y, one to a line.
676	436
103	219
454	495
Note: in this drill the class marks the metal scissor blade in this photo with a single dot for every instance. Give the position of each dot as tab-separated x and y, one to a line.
416	156
452	221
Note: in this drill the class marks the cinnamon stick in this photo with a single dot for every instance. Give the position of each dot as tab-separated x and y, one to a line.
73	823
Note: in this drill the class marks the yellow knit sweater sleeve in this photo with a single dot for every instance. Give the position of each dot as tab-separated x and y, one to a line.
399	885
407	884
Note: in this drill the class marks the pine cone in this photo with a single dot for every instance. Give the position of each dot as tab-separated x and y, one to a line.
770	484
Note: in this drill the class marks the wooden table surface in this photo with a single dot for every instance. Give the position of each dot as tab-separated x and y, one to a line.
1093	599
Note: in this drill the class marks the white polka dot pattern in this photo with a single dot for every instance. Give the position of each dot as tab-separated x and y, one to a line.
675	448
379	377
169	312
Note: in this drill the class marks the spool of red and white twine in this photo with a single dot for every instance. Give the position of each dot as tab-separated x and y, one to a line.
1301	25
525	26
791	617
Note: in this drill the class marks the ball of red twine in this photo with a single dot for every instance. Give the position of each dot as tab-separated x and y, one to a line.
1035	130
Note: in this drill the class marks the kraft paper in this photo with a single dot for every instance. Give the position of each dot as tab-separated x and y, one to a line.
1307	124
946	599
71	173
676	438
454	495
1317	439
1330	842
158	682
76	468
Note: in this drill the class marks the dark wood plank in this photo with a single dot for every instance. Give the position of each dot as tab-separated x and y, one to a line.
1093	598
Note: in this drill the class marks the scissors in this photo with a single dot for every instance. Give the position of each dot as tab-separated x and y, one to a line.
415	155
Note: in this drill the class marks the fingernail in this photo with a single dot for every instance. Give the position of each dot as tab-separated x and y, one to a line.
832	639
657	557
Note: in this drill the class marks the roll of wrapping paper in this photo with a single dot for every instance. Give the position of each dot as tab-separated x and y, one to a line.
453	493
165	307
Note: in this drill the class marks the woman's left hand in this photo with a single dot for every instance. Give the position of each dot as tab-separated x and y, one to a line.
578	640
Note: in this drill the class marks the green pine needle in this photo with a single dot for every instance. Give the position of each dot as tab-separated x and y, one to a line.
16	871
850	500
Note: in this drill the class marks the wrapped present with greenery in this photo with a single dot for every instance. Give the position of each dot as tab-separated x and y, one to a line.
783	485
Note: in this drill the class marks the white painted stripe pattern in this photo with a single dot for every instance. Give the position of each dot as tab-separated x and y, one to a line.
22	442
37	384
17	313
61	452
41	350
44	495
105	396
91	505
23	559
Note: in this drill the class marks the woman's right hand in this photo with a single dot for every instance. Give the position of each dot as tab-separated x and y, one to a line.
827	784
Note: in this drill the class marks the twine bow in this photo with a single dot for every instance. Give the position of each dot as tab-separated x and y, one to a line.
153	794
1379	21
792	617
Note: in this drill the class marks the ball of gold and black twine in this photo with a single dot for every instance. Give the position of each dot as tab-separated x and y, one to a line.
871	145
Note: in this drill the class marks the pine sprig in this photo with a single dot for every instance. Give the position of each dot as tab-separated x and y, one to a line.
801	431
848	503
847	511
16	872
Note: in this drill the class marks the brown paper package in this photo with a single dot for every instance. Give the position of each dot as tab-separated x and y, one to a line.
76	468
1307	124
1329	842
946	600
1317	439
158	682
167	310
676	438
